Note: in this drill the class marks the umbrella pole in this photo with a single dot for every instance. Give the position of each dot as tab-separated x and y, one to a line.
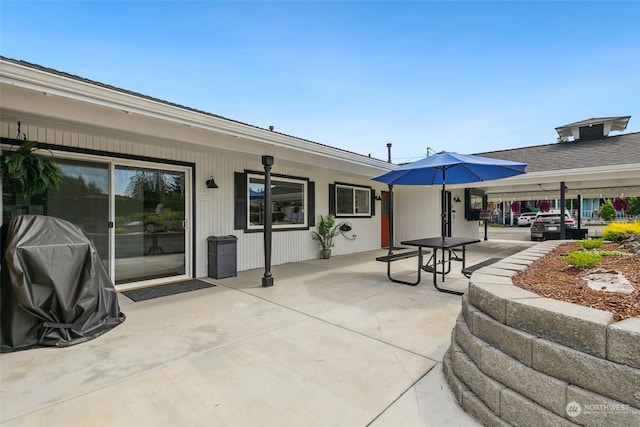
391	219
442	206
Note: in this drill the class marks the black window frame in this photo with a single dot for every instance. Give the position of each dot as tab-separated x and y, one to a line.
333	200
241	202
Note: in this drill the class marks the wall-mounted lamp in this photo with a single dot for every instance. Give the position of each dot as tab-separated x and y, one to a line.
378	197
211	183
457	199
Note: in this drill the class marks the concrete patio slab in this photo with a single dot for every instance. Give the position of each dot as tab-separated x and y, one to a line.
332	343
429	403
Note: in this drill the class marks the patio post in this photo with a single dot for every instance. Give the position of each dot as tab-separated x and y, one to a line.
562	208
485	206
579	209
267	279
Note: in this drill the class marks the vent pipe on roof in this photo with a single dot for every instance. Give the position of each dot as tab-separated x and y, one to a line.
389	152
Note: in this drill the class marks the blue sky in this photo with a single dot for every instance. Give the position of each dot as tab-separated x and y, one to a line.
458	76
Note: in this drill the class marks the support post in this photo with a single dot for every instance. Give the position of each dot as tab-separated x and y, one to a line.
267	279
485	206
579	210
562	208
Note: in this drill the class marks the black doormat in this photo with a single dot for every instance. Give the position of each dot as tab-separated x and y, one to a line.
164	290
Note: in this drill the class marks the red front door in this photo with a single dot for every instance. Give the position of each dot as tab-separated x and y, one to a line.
384	218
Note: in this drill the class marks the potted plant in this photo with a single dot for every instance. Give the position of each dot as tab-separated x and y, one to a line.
327	230
27	173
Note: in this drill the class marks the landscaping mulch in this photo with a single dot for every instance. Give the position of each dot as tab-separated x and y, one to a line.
551	277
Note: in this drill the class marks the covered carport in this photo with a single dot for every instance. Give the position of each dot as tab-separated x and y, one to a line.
592	165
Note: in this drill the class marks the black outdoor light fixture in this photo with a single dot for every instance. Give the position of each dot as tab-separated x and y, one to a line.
457	199
211	183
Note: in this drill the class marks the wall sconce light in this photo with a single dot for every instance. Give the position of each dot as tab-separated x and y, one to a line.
457	199
211	183
378	197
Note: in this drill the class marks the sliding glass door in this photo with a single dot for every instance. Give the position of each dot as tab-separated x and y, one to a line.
150	224
83	199
136	213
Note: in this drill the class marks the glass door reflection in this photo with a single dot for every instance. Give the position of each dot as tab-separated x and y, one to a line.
150	214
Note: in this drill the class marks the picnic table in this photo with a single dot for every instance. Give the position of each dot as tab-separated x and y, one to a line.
447	246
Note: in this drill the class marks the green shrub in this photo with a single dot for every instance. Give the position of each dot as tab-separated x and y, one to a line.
583	259
619	231
591	243
607	211
634	206
613	253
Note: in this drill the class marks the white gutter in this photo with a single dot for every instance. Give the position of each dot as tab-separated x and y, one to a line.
67	87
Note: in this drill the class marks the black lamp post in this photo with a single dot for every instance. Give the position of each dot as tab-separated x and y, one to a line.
267	279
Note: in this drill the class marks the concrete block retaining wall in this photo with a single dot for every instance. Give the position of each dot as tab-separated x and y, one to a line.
517	358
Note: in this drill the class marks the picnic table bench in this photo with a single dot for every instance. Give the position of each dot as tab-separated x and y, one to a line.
397	256
404	254
469	270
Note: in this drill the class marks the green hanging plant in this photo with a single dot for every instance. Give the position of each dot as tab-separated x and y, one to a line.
26	173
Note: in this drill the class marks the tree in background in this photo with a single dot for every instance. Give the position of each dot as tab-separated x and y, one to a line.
621	205
634	205
607	211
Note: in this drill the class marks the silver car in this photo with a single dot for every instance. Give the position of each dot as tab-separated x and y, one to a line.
549	221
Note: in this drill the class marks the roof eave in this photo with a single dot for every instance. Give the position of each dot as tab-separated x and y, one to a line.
53	84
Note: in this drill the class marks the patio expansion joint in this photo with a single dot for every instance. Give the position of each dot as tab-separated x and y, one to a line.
311	316
412	385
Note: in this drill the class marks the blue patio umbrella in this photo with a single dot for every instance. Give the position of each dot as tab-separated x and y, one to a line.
450	168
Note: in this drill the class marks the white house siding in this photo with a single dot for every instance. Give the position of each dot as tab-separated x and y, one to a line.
417	213
460	226
214	208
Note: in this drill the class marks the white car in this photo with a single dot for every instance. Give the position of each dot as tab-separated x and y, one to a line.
526	218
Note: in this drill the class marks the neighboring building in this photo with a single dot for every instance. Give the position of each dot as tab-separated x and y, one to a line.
592	164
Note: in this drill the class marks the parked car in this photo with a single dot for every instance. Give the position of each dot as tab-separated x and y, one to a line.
526	218
549	221
555	211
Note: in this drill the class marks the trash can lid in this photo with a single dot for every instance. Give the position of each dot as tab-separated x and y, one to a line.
228	238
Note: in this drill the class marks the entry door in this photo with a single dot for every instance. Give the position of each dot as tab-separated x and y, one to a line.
384	219
447	210
151	224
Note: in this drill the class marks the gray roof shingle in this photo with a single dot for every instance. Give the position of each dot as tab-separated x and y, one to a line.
609	151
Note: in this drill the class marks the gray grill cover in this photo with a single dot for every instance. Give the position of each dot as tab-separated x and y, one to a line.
55	290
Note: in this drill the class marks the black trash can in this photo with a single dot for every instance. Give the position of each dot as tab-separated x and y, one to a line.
222	256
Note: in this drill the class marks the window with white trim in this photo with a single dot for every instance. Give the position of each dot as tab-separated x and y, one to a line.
353	201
